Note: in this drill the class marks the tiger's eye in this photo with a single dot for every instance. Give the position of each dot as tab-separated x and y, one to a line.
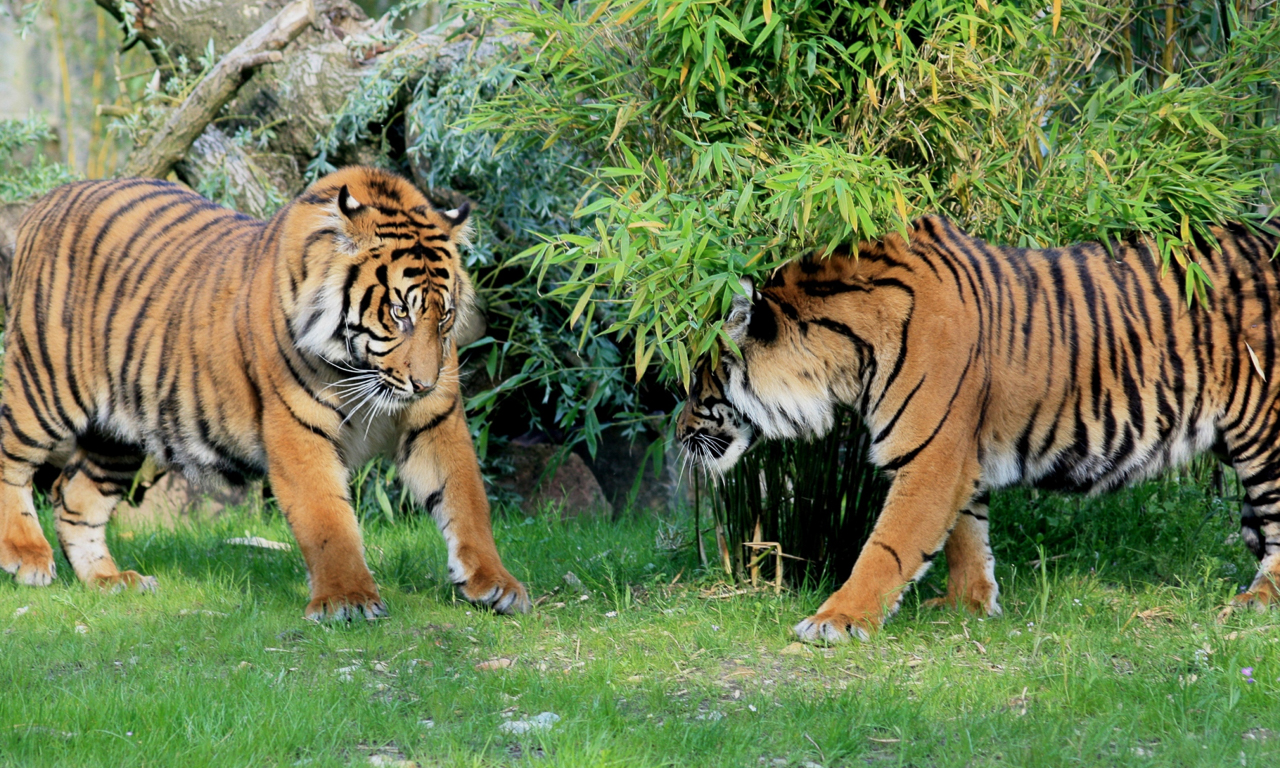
399	312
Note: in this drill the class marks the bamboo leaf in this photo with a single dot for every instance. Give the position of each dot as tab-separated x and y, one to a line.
630	12
581	305
600	9
384	503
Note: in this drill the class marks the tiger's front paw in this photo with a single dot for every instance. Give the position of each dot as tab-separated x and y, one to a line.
498	590
345	605
31	563
832	627
127	580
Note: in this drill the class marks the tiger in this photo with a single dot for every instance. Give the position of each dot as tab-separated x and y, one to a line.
975	367
144	319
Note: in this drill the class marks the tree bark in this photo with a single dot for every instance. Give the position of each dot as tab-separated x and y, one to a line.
215	162
170	143
296	97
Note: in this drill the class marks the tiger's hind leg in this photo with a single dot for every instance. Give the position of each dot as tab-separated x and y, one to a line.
1260	528
99	474
24	446
971	578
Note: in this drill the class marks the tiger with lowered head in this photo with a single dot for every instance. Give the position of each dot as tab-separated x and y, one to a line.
976	367
144	319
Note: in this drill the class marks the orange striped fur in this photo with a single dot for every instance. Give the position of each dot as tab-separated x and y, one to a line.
976	367
144	319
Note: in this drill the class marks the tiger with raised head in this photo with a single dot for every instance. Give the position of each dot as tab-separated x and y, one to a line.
976	367
144	319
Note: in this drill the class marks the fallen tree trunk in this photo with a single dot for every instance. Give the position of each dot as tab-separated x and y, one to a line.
230	174
292	102
170	143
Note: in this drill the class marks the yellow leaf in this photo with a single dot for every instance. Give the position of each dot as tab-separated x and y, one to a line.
581	305
768	12
1057	15
632	11
619	121
1097	158
983	5
655	225
600	9
1186	228
871	93
901	202
642	359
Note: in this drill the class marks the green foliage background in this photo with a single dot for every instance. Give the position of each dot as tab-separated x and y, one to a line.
25	171
732	135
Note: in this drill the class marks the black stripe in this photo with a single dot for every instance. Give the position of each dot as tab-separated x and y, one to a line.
412	436
910	456
891	551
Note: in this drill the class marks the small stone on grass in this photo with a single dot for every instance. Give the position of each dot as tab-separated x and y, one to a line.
541	722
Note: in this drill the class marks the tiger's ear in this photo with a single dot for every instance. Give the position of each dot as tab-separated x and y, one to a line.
348	206
459	227
740	309
458	215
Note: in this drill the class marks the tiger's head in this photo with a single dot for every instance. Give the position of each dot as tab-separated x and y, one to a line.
374	283
805	342
712	431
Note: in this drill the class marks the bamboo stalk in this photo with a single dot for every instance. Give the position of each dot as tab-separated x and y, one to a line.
755	563
1126	55
1170	29
96	133
60	50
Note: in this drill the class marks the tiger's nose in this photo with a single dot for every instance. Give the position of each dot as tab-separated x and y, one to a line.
421	386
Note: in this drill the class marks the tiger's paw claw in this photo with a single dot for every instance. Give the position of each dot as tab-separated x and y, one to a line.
832	628
358	604
501	592
123	580
31	565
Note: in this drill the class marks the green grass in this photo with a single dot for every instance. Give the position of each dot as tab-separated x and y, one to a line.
1106	659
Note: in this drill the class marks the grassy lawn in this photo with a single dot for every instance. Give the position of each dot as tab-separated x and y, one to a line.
1107	655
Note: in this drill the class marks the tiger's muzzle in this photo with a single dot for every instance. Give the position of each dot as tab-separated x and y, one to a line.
716	436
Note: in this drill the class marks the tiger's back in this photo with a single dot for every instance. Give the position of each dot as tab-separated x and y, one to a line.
977	367
127	307
1098	371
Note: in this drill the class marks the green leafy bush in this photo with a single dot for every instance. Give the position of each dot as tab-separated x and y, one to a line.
25	170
